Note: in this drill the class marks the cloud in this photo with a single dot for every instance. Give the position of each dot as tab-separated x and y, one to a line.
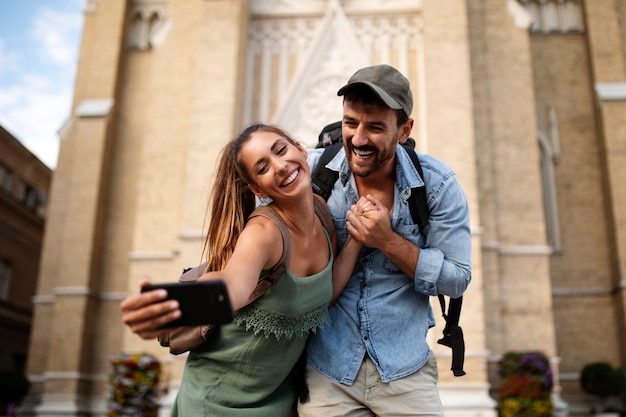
8	59
36	79
55	32
34	113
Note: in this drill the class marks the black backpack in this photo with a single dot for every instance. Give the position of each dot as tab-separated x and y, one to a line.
323	180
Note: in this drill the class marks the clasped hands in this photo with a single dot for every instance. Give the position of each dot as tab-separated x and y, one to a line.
369	222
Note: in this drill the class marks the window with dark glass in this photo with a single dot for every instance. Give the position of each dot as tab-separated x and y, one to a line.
6	178
6	271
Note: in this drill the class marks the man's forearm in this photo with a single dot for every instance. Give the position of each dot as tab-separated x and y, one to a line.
403	253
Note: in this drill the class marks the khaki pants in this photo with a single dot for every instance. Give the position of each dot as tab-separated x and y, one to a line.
413	395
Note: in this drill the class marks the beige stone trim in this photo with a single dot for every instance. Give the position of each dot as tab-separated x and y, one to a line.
152	255
517	250
191	234
43	299
94	107
611	91
72	291
576	292
73	376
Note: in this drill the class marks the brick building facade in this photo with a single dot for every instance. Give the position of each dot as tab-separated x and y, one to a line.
24	185
524	99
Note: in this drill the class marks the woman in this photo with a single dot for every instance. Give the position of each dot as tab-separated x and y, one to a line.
245	368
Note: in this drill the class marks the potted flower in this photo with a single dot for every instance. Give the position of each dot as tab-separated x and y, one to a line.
133	380
525	386
603	381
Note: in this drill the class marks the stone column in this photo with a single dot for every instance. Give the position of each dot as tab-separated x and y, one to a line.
63	349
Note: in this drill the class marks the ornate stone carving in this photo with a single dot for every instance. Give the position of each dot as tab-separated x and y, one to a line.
297	63
148	23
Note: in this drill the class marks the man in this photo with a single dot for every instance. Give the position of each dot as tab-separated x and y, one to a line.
374	358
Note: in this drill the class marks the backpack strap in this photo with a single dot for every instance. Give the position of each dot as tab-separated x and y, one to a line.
323	179
418	204
330	134
453	334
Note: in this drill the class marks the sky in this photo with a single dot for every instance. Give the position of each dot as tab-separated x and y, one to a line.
39	42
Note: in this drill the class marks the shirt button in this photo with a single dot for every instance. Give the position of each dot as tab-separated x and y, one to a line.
364	337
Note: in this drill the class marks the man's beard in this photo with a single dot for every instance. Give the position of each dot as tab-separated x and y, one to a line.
372	165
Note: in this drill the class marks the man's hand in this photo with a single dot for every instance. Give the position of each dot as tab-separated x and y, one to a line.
368	222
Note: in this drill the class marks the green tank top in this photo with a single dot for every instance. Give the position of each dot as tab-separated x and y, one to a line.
245	368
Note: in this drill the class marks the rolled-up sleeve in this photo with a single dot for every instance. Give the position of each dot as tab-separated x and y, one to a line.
444	263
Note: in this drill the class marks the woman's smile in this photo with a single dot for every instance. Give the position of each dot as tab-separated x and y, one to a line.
290	178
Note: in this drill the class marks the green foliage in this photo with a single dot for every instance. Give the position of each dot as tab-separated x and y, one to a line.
601	379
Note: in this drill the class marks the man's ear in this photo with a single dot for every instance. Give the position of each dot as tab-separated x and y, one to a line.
405	131
257	192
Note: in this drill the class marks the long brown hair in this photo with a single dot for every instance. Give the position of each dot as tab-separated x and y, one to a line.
231	199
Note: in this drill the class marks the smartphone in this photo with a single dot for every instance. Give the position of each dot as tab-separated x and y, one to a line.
201	302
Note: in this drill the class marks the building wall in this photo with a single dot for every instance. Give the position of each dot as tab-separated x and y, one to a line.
24	185
581	272
162	85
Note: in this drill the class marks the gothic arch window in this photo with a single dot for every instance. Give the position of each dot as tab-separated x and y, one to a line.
137	38
555	16
548	138
154	23
300	51
148	24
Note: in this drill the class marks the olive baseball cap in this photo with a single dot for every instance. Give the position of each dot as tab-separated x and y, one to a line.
387	82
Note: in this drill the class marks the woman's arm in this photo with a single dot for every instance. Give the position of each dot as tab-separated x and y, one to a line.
255	251
145	313
344	265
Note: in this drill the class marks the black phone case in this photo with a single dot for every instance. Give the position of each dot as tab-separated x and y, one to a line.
201	302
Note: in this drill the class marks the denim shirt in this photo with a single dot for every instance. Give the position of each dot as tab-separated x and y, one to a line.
381	311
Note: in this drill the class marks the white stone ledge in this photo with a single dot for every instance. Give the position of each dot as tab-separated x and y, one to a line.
467	399
72	291
94	107
152	255
74	375
577	292
43	299
191	234
611	91
81	291
517	250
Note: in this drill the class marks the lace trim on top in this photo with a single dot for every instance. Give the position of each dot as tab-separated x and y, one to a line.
261	320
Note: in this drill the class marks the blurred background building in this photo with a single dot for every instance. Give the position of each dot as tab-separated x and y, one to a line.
24	185
526	100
